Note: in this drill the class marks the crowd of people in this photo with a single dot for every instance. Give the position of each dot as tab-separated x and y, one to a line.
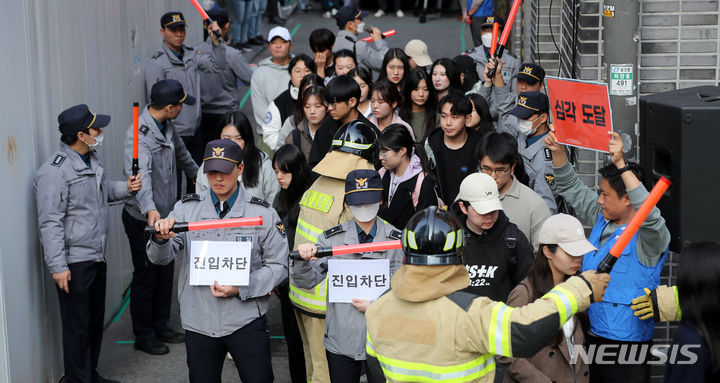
366	143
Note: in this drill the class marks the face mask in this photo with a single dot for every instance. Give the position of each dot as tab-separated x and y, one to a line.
98	142
487	40
361	27
365	212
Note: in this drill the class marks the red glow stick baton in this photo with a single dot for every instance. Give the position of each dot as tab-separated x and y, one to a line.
210	224
135	164
495	31
632	227
385	34
506	33
352	249
204	15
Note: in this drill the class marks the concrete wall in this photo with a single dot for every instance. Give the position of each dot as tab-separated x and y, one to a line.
58	54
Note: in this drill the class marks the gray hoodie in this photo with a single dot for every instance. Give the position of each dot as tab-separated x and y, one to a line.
268	81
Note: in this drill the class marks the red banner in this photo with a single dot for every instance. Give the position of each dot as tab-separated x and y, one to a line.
580	112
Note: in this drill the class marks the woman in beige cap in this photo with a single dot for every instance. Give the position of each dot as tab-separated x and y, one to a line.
562	246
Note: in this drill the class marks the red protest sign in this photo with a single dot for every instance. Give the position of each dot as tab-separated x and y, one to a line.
580	112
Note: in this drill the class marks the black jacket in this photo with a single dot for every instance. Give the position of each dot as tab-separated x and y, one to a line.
497	260
401	207
285	104
435	141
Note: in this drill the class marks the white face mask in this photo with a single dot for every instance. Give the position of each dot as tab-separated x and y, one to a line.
361	27
365	212
487	40
98	142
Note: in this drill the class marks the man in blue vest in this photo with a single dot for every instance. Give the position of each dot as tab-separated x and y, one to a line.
621	193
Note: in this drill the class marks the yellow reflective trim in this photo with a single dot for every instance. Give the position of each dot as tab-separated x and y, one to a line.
499	330
449	241
678	315
357	146
308	231
459	239
506	331
315	301
564	301
404	371
411	240
317	201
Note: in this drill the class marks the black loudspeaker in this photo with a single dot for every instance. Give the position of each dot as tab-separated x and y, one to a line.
680	139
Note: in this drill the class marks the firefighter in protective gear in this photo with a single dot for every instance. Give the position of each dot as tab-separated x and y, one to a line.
321	208
425	329
661	304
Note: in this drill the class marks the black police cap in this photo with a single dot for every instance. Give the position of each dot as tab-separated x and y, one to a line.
172	19
530	103
363	186
221	156
169	92
80	117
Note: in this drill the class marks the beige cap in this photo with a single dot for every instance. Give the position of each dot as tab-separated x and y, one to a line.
418	51
567	232
481	191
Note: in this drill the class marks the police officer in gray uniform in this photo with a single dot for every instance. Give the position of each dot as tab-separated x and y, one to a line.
345	322
368	55
219	93
532	112
181	62
481	53
72	195
220	318
160	153
529	79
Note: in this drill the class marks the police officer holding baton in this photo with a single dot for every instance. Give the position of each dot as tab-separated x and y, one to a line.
72	201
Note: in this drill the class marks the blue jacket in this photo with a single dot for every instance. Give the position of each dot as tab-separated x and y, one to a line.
612	318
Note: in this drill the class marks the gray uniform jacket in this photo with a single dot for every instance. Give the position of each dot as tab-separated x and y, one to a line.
219	92
501	100
72	203
369	55
344	324
159	156
539	167
511	64
165	65
200	311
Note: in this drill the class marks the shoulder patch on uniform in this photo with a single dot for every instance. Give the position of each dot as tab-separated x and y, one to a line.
280	228
58	160
333	231
144	129
395	234
268	117
259	201
191	197
548	154
158	54
463	299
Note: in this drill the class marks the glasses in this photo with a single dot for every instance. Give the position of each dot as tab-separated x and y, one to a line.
333	105
498	171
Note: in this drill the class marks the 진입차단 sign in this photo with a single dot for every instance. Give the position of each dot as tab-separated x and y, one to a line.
357	278
227	262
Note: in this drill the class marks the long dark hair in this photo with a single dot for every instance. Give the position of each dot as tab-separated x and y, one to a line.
452	72
411	83
289	159
483	110
541	281
395	53
251	154
388	91
396	137
698	286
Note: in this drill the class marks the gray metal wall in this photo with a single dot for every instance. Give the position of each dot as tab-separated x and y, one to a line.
57	54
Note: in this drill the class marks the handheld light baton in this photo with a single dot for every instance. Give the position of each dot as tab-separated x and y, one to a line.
495	31
179	227
632	227
135	164
506	33
384	34
351	249
204	16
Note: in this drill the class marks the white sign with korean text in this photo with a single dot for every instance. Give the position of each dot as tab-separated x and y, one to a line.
361	279
227	262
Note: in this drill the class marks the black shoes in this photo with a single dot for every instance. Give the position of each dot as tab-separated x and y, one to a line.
170	336
152	347
278	21
256	41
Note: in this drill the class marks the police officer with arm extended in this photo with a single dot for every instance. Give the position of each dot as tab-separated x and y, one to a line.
425	329
220	319
160	153
181	62
72	196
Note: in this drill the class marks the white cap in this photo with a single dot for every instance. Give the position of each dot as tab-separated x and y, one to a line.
418	51
281	32
567	232
480	190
